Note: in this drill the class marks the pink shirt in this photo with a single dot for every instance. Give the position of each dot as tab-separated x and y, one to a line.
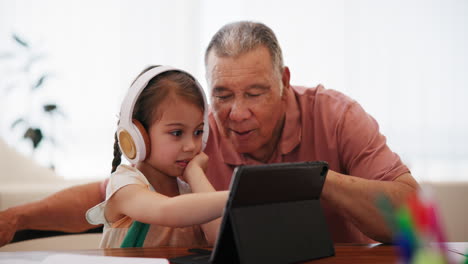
323	125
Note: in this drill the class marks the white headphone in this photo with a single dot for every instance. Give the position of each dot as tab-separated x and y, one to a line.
133	139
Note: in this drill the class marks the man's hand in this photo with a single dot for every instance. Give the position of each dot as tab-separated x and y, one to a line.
62	211
8	225
355	198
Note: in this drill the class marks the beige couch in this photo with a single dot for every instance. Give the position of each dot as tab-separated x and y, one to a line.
23	181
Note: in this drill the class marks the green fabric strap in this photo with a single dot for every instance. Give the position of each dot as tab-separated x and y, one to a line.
136	235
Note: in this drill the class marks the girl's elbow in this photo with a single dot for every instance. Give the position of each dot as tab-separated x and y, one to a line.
211	237
211	240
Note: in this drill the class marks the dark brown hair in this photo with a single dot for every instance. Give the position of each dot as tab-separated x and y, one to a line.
146	108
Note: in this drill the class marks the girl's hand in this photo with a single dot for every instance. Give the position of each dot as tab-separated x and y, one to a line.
199	162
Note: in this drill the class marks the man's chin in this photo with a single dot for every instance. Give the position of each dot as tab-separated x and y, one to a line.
244	148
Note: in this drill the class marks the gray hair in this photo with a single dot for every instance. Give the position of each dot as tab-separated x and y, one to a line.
240	37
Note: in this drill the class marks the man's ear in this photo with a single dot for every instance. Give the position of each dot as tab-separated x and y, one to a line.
285	77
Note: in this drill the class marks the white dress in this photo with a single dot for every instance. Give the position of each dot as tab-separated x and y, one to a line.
115	232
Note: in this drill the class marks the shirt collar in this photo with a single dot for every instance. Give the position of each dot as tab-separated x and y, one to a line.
292	130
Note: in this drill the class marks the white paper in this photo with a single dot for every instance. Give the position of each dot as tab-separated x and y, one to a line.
86	259
18	261
23	257
77	259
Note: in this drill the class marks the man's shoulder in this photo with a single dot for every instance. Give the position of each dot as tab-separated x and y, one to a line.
319	92
320	99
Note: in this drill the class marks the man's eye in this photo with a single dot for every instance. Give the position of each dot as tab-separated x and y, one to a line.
223	97
176	133
253	95
198	132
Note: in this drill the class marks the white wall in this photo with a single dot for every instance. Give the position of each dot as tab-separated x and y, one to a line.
404	61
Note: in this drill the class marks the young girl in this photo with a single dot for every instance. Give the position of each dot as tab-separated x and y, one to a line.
162	130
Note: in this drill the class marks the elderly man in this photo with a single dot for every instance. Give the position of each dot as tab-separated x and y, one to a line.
257	117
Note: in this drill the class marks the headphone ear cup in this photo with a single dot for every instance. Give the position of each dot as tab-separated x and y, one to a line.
145	145
127	144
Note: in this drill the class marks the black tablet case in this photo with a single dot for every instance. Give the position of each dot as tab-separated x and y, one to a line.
273	215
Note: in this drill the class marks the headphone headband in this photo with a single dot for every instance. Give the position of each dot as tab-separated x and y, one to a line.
128	104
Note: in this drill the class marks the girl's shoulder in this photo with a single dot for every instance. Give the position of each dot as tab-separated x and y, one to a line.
125	175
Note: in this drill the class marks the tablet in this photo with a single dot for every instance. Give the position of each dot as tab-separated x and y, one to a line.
273	215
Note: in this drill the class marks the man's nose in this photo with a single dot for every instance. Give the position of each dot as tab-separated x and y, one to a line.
239	111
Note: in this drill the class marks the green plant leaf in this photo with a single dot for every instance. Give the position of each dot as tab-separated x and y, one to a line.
40	82
20	41
17	121
35	135
49	108
53	109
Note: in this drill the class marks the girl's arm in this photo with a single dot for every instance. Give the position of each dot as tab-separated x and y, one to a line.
143	205
196	178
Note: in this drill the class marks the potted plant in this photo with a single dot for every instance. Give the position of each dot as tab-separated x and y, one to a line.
31	82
